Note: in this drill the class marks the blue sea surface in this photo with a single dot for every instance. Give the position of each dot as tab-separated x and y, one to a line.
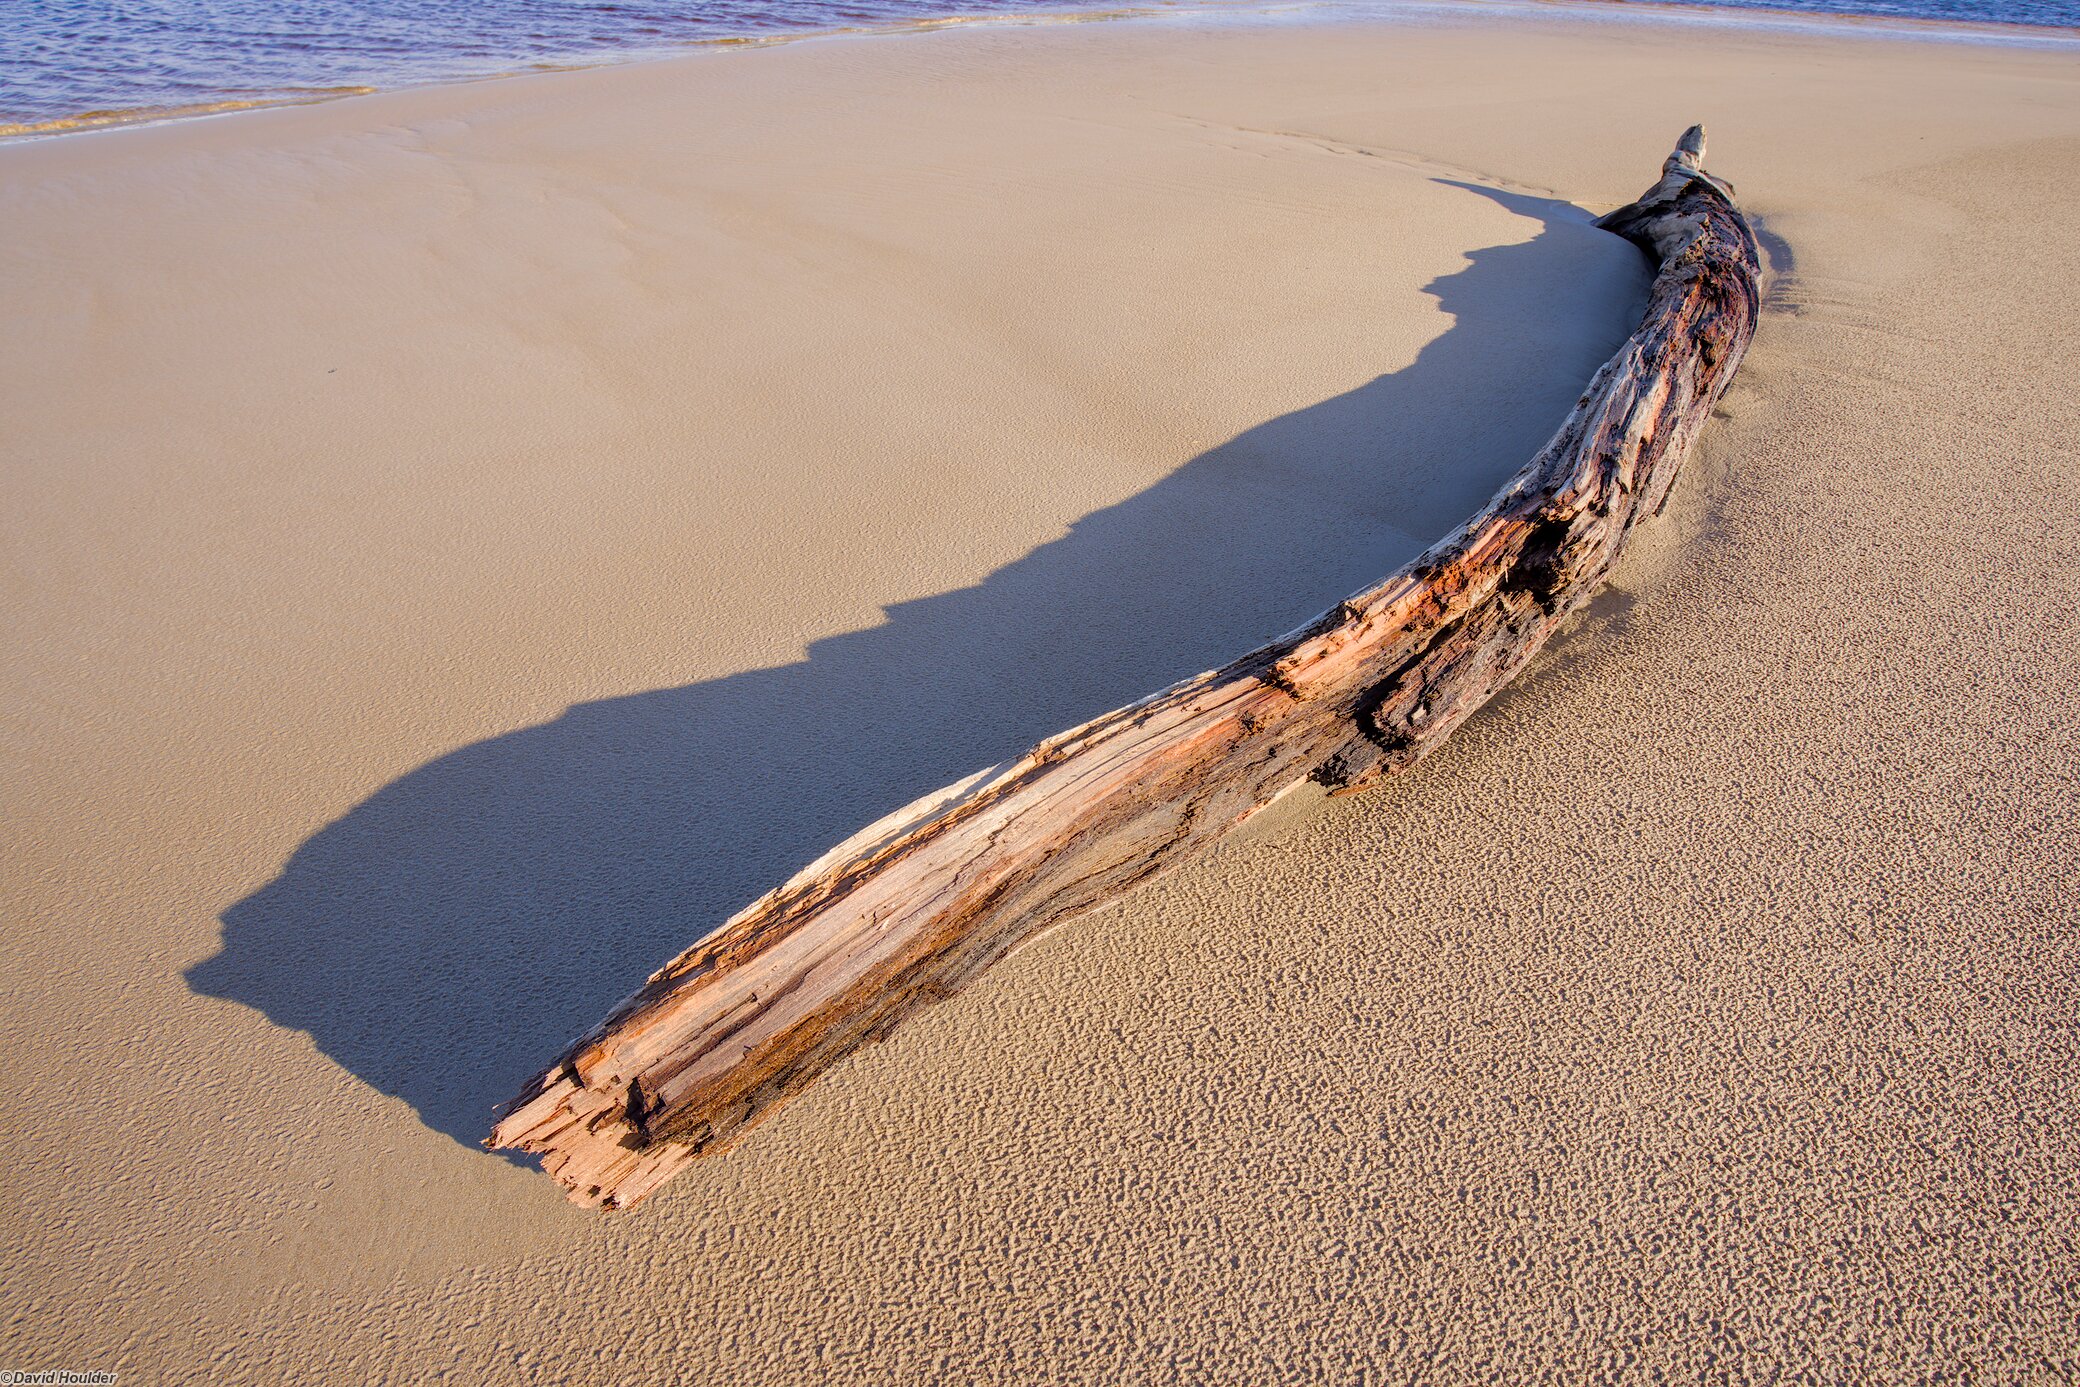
71	63
2055	14
64	58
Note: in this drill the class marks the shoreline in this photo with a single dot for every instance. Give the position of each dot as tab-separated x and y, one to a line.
1306	12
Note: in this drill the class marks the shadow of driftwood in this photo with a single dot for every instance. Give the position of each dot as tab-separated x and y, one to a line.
449	935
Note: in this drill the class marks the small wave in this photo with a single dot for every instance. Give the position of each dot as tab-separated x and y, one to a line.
138	115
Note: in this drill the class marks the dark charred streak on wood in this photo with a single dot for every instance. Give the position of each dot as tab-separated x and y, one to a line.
913	908
1541	567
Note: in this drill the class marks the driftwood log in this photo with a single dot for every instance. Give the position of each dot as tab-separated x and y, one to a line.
909	910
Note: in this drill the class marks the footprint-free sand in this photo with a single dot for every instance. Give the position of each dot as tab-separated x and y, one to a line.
461	544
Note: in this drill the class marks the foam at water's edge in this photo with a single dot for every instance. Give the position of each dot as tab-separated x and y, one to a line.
139	115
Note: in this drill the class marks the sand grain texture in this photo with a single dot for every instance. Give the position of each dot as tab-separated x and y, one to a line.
437	522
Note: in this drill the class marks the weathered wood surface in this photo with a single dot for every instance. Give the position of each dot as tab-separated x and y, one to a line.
909	910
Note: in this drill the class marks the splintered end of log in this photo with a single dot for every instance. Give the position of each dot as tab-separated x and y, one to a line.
586	1146
911	909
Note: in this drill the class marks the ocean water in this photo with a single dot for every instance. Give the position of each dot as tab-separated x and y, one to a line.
73	64
2054	14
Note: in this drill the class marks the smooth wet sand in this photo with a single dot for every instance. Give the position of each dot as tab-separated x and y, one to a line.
463	543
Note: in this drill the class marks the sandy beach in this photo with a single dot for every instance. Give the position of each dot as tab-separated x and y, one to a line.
463	543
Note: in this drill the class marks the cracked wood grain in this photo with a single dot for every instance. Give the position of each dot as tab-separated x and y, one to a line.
912	908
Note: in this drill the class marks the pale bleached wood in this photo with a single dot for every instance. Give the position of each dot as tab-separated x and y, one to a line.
909	910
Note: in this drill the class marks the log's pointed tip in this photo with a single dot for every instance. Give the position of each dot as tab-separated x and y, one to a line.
1689	152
